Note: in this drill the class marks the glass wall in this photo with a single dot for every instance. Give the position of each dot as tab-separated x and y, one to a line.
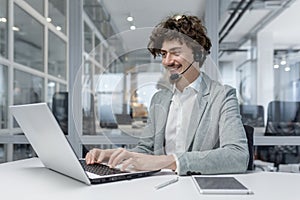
264	66
38	65
57	10
3	29
3	97
57	59
27	88
37	5
28	40
287	74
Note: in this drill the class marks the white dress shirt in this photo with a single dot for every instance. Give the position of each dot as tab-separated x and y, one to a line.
179	117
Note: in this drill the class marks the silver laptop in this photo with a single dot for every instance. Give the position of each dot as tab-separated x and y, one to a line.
52	147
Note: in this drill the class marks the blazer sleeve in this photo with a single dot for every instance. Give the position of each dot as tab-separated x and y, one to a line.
147	138
146	142
230	155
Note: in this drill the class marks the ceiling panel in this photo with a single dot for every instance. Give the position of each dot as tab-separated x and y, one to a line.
246	24
146	15
285	28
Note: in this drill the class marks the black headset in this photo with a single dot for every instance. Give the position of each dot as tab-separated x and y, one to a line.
198	56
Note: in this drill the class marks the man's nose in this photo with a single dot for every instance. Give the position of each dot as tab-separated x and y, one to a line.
168	60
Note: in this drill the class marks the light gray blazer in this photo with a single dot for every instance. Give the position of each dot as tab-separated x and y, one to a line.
216	141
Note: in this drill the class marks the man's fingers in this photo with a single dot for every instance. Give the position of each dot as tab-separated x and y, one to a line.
114	155
101	157
92	155
123	155
87	158
127	163
118	157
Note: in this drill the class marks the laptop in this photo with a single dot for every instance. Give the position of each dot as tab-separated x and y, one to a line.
52	147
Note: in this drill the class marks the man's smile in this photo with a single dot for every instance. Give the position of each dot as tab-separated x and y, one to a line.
174	69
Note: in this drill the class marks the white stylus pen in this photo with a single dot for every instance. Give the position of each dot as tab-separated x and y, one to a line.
174	180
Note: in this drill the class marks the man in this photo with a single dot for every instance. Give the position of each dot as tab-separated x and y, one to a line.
195	127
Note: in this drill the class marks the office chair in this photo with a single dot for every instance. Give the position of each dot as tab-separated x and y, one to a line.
88	115
60	110
252	115
249	133
283	119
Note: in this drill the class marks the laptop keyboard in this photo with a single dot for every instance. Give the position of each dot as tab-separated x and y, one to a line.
100	169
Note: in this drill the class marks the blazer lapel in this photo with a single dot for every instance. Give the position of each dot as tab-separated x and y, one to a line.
198	110
161	112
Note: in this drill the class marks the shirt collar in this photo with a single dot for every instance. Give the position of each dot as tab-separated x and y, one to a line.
195	84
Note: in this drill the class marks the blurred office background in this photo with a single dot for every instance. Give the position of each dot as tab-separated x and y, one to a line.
88	60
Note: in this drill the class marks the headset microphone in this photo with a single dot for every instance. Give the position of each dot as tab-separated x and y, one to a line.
177	76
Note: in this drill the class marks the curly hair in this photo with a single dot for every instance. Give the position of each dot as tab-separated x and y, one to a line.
188	29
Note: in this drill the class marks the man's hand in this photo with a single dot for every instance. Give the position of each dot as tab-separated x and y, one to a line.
139	161
98	155
136	161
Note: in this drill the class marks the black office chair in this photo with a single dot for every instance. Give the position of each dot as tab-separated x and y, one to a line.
252	115
89	116
283	120
60	110
249	133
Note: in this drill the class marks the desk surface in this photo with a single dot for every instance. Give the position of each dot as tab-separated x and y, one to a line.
28	179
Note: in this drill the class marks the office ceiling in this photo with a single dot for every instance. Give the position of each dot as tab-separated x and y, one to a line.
254	18
149	13
273	16
146	14
285	29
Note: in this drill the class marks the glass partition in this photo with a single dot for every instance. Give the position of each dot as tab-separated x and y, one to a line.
28	88
88	39
3	96
38	5
28	40
57	10
3	29
2	153
22	151
57	65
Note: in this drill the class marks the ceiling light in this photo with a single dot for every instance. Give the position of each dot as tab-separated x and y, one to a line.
130	18
49	19
287	69
14	28
58	28
276	66
3	19
51	84
283	62
132	27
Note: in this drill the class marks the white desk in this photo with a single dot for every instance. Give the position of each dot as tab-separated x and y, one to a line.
28	179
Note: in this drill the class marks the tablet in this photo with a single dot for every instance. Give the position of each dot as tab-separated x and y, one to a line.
220	185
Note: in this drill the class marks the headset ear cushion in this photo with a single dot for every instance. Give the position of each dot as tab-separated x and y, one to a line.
197	56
